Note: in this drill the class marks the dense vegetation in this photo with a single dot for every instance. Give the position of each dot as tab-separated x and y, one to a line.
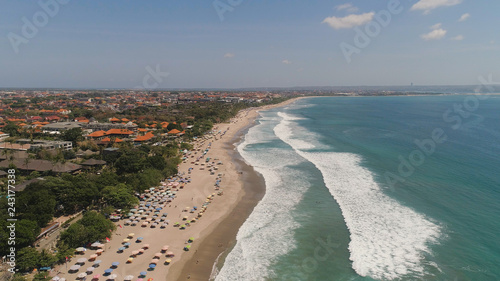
92	227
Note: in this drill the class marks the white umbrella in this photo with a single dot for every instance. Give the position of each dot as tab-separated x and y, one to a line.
129	277
112	277
82	275
56	278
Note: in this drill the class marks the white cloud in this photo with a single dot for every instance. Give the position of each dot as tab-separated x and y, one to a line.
229	55
464	17
286	62
428	5
349	21
436	26
458	38
436	34
348	7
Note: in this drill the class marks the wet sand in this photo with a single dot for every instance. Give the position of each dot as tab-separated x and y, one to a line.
217	244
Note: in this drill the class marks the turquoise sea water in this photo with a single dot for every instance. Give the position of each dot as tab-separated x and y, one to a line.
374	188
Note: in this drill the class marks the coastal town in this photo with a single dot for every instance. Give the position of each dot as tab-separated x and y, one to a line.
99	175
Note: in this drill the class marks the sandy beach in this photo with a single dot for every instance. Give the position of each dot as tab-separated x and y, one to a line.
214	233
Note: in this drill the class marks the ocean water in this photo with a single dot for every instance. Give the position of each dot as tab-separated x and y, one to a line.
374	188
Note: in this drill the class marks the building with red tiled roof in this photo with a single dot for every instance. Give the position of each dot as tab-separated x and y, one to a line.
97	134
114	119
121	132
174	132
53	118
146	137
36	118
82	119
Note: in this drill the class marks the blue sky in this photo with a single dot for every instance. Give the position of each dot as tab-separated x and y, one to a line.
281	43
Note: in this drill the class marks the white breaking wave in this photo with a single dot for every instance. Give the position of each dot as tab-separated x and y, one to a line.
388	240
268	232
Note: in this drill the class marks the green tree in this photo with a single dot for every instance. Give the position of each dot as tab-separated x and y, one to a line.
26	232
106	178
11	129
73	135
74	236
172	126
42	276
92	227
186	145
156	162
119	196
63	251
130	162
46	259
27	259
36	204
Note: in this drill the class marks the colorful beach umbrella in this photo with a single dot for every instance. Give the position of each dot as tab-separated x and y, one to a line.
143	273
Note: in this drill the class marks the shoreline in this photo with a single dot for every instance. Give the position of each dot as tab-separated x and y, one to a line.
210	254
226	197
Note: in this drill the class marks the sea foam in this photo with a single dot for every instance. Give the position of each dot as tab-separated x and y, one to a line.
388	240
268	231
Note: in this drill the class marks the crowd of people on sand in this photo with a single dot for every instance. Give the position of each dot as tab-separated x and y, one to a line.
150	214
